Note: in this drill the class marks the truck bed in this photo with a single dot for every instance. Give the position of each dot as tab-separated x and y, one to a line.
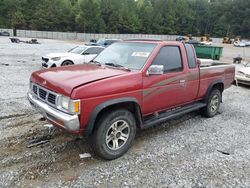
215	70
212	63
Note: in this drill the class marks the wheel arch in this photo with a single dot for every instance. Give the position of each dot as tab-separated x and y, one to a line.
129	103
218	84
67	60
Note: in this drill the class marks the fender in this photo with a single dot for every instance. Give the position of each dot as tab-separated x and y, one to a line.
106	104
211	87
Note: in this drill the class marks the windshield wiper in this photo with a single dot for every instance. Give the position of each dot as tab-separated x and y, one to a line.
117	65
95	62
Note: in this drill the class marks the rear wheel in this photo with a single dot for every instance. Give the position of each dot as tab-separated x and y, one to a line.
114	134
67	62
213	104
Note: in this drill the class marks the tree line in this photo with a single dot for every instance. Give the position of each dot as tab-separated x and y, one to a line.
217	18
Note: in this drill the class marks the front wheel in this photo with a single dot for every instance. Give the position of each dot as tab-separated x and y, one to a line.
114	134
213	104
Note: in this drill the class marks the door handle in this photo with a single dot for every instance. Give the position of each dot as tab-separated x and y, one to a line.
183	83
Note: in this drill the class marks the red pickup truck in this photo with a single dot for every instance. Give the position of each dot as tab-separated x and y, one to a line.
131	85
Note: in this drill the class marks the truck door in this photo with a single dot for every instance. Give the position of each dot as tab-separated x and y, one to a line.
192	80
165	91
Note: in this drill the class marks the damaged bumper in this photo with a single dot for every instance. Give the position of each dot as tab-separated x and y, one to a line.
62	120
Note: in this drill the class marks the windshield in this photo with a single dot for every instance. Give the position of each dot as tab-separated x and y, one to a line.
101	41
130	55
77	50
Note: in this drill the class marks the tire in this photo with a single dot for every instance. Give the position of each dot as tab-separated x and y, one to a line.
213	104
67	62
114	134
52	66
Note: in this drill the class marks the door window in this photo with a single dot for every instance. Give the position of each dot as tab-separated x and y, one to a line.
92	51
170	58
191	56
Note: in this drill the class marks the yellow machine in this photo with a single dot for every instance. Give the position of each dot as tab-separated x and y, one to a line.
237	39
227	40
206	38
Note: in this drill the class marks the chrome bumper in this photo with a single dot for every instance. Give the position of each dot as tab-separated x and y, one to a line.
242	79
61	119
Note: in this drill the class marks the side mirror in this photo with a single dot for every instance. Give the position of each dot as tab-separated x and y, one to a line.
155	70
85	53
105	44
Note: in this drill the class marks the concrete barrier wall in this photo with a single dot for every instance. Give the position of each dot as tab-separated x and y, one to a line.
88	36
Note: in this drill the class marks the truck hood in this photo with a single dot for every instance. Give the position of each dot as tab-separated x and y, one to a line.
64	79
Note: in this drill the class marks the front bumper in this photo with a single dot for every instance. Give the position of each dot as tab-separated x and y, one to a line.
65	121
242	79
45	65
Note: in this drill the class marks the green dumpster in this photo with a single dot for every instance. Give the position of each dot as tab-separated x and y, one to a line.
208	52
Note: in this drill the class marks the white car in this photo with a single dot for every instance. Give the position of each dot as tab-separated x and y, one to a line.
243	75
243	43
78	55
206	43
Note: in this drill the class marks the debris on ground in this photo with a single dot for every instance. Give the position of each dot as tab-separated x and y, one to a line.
223	152
42	119
48	126
37	143
84	155
17	40
5	64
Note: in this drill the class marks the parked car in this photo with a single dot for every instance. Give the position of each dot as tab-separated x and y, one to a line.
130	85
242	43
243	75
182	38
4	33
78	55
104	42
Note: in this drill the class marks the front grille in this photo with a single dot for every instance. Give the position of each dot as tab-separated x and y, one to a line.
45	65
52	98
44	94
45	59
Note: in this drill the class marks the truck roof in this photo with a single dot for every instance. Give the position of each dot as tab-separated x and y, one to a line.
155	41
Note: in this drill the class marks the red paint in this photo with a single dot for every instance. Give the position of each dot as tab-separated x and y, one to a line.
95	84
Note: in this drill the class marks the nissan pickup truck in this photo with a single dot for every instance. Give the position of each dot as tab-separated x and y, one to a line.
131	85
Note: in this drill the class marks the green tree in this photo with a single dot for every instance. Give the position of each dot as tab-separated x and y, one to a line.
215	17
88	16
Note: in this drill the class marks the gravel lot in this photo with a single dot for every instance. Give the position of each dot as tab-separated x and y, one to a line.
190	151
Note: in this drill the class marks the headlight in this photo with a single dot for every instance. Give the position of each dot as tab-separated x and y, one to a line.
68	105
55	58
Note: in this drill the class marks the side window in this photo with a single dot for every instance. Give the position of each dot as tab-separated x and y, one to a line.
98	50
108	42
191	56
170	58
93	51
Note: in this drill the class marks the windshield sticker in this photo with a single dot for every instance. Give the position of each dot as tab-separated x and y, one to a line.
140	54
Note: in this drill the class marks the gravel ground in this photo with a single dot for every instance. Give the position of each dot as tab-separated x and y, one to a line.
190	151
